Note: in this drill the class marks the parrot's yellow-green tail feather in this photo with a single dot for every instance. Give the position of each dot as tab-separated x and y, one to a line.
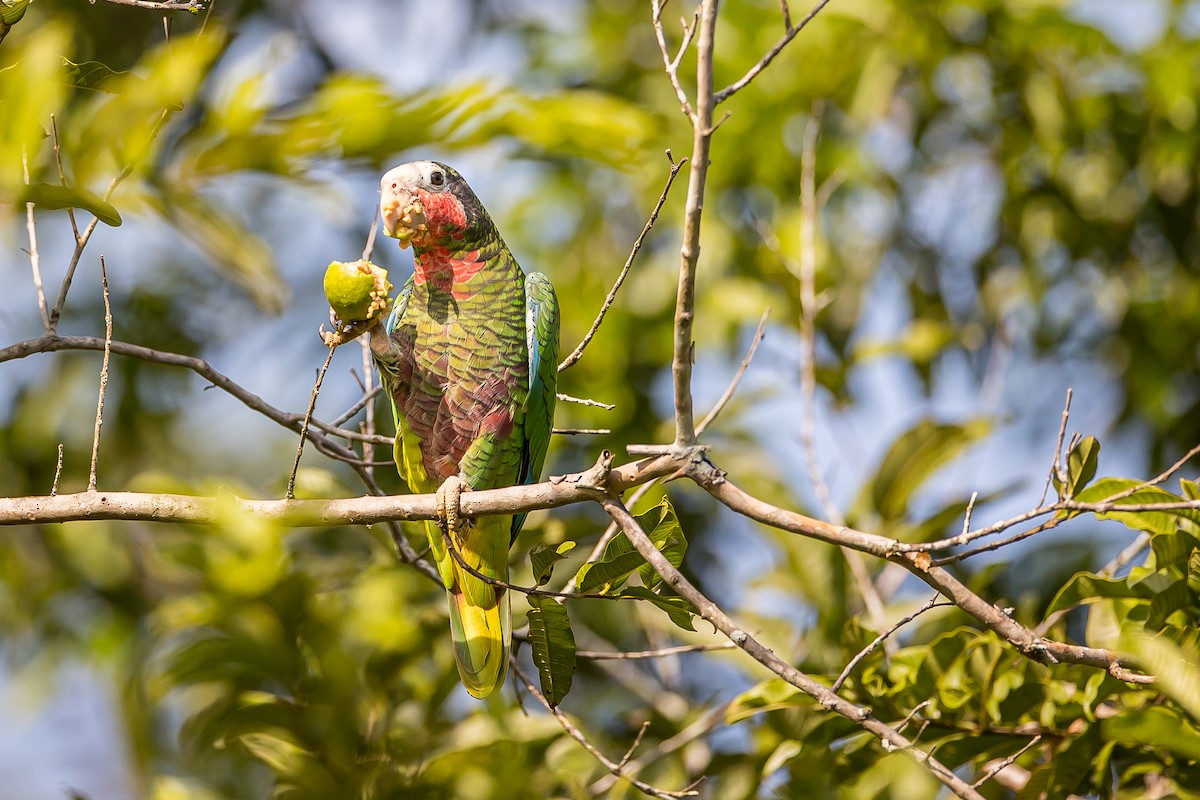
481	641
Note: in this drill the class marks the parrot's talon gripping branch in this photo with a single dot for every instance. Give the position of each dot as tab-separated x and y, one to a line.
449	506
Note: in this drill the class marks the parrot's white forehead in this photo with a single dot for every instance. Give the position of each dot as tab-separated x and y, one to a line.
407	174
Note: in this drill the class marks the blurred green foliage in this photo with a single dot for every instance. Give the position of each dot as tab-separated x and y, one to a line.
1029	185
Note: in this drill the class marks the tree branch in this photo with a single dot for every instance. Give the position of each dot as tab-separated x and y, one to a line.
577	353
689	252
890	739
752	73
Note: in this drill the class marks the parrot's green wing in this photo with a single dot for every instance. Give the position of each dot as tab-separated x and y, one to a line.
541	330
399	306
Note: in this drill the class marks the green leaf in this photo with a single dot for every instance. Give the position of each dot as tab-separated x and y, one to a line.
912	460
1156	726
773	694
1193	578
1165	603
1152	522
1084	587
11	11
543	557
1062	773
50	196
1176	671
99	77
1081	466
663	527
1171	549
620	560
553	646
679	609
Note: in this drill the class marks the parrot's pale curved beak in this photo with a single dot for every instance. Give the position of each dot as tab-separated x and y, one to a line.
403	215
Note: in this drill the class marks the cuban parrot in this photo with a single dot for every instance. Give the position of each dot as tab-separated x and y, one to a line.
469	358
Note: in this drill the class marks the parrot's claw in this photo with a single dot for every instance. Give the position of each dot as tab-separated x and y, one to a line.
346	331
448	507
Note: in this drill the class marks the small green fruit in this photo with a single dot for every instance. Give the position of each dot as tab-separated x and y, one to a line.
356	290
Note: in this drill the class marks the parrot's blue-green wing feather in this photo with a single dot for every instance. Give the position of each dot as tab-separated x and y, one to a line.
541	330
393	321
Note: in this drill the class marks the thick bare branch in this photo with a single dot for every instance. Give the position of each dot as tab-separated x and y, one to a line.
689	252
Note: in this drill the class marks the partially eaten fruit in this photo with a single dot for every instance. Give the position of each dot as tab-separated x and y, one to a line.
357	290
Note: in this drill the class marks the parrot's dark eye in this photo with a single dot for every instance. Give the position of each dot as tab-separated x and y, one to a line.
437	178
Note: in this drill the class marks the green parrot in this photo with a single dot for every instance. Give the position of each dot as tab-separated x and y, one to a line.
469	358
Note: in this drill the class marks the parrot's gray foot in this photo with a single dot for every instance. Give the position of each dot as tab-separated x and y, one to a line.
346	331
448	508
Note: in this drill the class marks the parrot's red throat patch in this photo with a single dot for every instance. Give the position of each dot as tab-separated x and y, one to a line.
447	271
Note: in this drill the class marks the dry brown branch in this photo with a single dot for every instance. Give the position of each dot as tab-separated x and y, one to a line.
35	260
705	723
889	738
308	412
191	6
1056	469
577	353
775	50
662	652
870	648
689	252
576	734
807	270
727	395
108	331
671	65
581	401
1025	640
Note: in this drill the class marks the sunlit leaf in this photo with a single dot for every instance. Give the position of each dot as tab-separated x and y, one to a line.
553	646
1152	522
1085	587
620	559
99	77
773	694
1176	671
543	557
1157	726
678	608
911	461
50	196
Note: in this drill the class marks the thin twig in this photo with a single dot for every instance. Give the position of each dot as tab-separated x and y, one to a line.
636	741
191	6
932	602
577	353
1056	469
358	406
581	401
577	735
368	425
312	402
35	261
108	332
737	376
993	771
762	64
581	431
705	723
633	655
82	237
807	268
671	65
57	471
